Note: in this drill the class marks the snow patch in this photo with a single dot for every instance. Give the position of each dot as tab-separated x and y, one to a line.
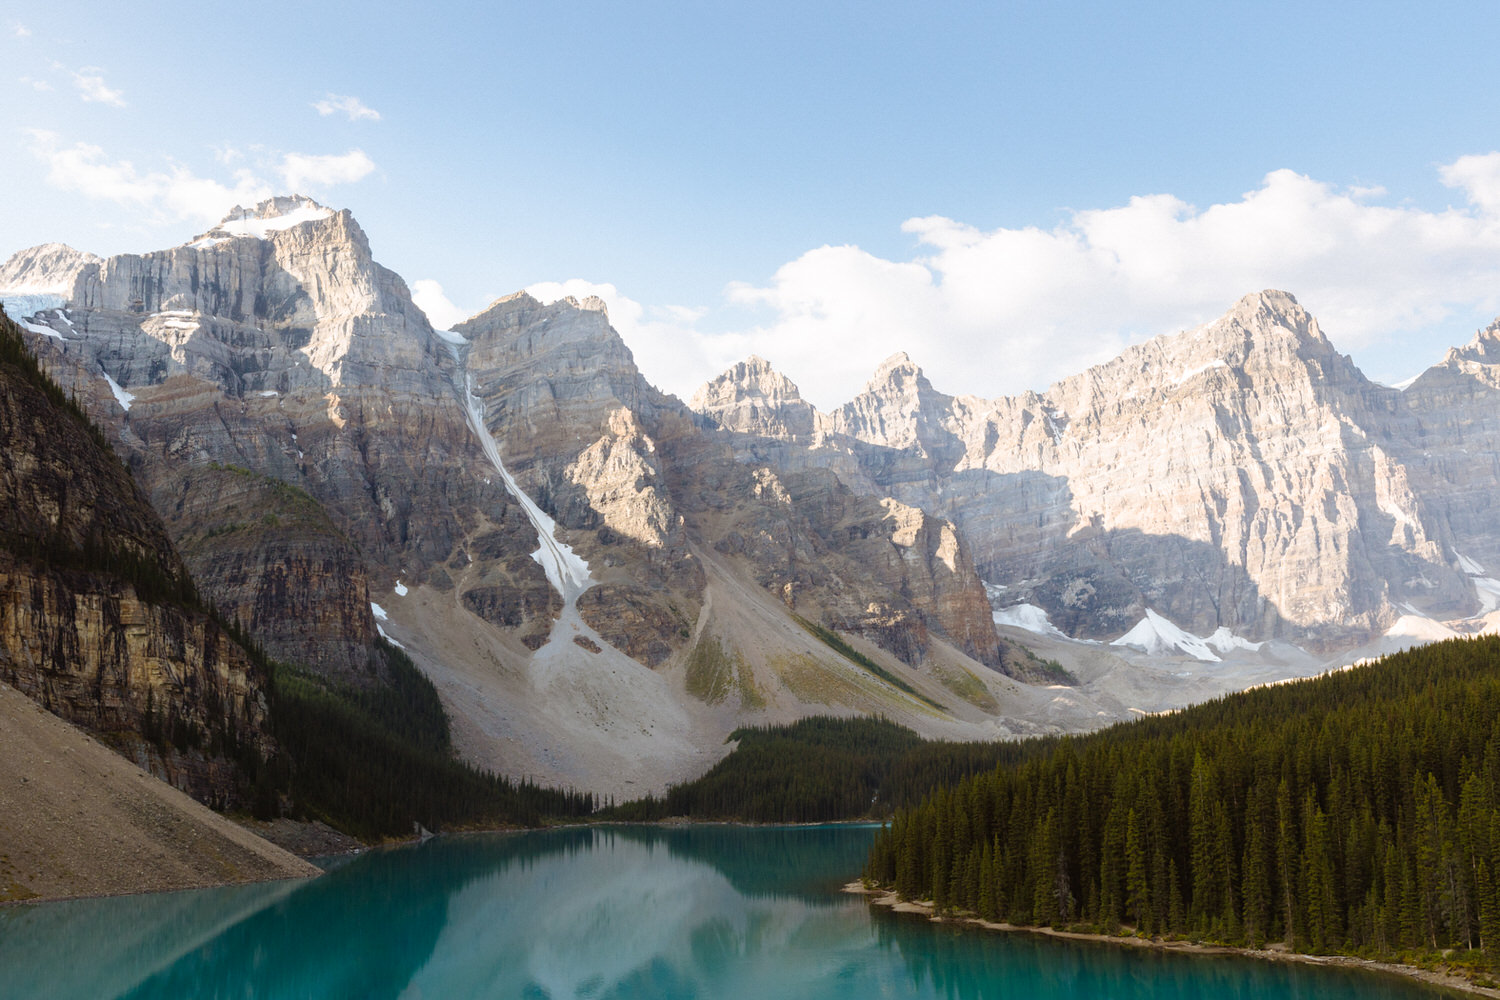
1159	637
1488	590
1028	617
451	337
267	393
1418	627
386	636
124	398
1468	565
260	228
378	612
565	569
208	241
1216	363
400	589
19	302
1225	641
45	331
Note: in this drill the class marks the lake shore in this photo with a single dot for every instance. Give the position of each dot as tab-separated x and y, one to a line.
1432	977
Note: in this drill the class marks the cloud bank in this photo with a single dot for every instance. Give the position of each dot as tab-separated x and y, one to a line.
1000	311
177	191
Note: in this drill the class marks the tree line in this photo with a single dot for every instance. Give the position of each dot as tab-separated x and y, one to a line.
1357	812
818	770
372	761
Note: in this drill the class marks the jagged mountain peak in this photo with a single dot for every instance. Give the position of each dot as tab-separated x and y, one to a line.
755	372
752	397
1483	349
45	269
1270	323
277	215
278	207
897	366
1274	312
590	312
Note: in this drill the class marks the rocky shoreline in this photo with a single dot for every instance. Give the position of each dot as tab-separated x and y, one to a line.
1433	977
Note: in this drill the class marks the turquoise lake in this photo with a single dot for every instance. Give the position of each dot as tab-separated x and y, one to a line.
616	912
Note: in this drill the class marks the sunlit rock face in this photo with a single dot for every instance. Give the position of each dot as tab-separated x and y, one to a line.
1453	444
275	343
1243	474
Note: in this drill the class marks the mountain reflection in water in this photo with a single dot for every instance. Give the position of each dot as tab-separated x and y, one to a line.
618	912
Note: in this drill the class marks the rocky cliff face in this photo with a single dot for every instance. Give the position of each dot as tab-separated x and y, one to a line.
754	399
276	343
43	271
98	618
275	562
1452	444
1243	474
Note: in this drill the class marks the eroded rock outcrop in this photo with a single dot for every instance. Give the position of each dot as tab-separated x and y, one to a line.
99	620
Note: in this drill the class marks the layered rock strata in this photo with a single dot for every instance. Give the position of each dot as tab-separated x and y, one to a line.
99	620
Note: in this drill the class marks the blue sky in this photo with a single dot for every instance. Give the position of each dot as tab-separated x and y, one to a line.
1007	192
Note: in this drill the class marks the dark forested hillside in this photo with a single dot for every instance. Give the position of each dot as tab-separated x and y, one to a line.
371	761
1357	812
820	770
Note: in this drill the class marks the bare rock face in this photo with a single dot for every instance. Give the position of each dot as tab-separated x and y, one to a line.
1243	474
1452	442
274	561
98	617
578	425
46	270
752	398
276	343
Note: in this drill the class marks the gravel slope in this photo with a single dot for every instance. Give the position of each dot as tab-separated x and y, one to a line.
77	819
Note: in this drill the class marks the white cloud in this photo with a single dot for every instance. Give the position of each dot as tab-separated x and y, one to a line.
177	191
19	30
36	84
1000	311
91	87
1478	176
301	171
356	109
441	313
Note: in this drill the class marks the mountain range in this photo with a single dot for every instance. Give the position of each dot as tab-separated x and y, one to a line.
604	581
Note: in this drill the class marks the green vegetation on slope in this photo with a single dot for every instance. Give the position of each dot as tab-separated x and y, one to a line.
836	642
818	770
1357	812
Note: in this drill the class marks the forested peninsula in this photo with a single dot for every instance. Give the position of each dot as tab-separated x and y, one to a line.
1356	813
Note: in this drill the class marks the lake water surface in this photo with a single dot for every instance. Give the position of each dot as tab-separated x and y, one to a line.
611	912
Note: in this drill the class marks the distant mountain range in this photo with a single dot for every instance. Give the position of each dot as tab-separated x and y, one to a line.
604	580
